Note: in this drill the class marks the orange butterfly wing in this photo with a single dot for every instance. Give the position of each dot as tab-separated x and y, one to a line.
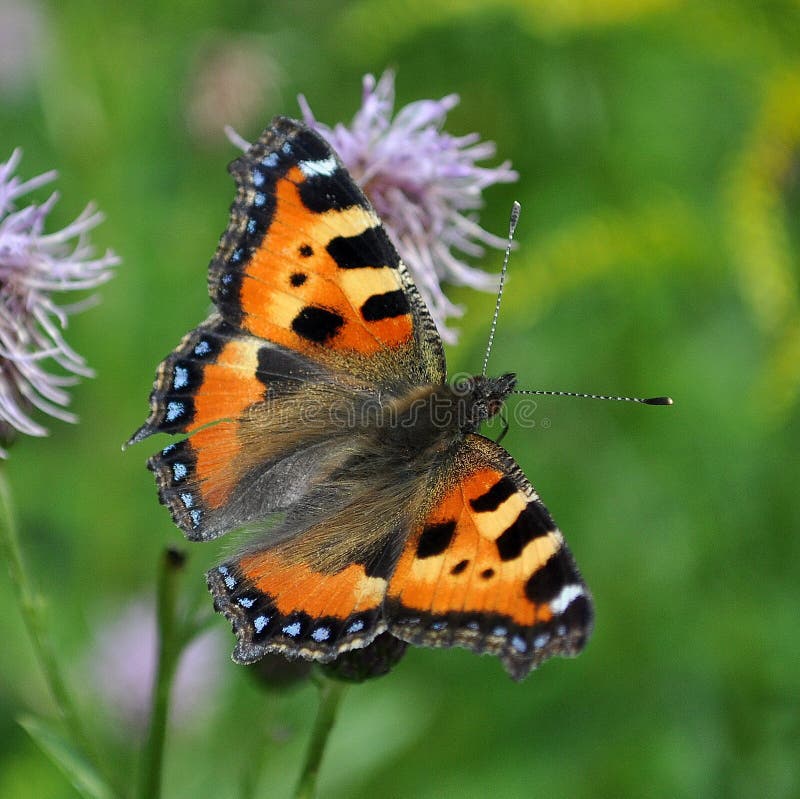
308	287
307	264
314	306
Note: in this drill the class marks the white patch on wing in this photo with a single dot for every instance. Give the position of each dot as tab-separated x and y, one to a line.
325	167
565	596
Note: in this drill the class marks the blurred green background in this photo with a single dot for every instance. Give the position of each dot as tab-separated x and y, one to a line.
658	145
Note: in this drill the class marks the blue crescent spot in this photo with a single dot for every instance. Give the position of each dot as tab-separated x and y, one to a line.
541	640
202	348
175	410
187	499
196	517
260	622
356	627
179	471
260	198
258	177
321	634
251	226
247	602
270	160
519	643
180	377
292	630
499	631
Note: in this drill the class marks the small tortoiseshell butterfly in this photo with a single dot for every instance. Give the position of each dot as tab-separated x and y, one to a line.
321	420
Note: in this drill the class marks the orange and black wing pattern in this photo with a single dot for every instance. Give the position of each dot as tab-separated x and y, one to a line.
278	605
307	264
484	567
222	387
365	535
488	569
308	289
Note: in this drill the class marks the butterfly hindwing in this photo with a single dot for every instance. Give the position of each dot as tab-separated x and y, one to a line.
488	569
240	399
276	605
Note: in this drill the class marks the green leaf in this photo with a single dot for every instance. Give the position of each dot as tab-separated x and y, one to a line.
80	772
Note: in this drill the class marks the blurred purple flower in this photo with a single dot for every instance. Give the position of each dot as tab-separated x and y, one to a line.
25	39
122	666
231	81
424	184
33	266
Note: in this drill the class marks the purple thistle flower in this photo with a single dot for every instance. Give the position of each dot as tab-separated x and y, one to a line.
34	266
424	184
122	665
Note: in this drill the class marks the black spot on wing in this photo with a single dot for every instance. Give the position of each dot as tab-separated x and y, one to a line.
546	583
578	613
533	521
459	567
310	146
435	539
380	564
298	278
495	496
306	250
278	367
385	306
487	574
317	324
323	193
370	248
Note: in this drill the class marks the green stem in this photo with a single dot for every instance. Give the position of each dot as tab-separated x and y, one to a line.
251	774
170	644
32	607
331	692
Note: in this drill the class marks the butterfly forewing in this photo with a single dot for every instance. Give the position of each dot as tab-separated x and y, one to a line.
307	264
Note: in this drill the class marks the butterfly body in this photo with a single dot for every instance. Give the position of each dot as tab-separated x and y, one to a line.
319	417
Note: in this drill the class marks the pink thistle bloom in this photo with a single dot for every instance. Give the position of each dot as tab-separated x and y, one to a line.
424	184
122	665
33	266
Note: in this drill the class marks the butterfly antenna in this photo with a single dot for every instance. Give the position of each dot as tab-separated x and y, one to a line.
512	226
642	400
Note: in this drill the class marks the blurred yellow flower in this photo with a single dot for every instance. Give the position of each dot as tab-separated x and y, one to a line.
759	239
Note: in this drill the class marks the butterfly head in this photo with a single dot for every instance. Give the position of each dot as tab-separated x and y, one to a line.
484	397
